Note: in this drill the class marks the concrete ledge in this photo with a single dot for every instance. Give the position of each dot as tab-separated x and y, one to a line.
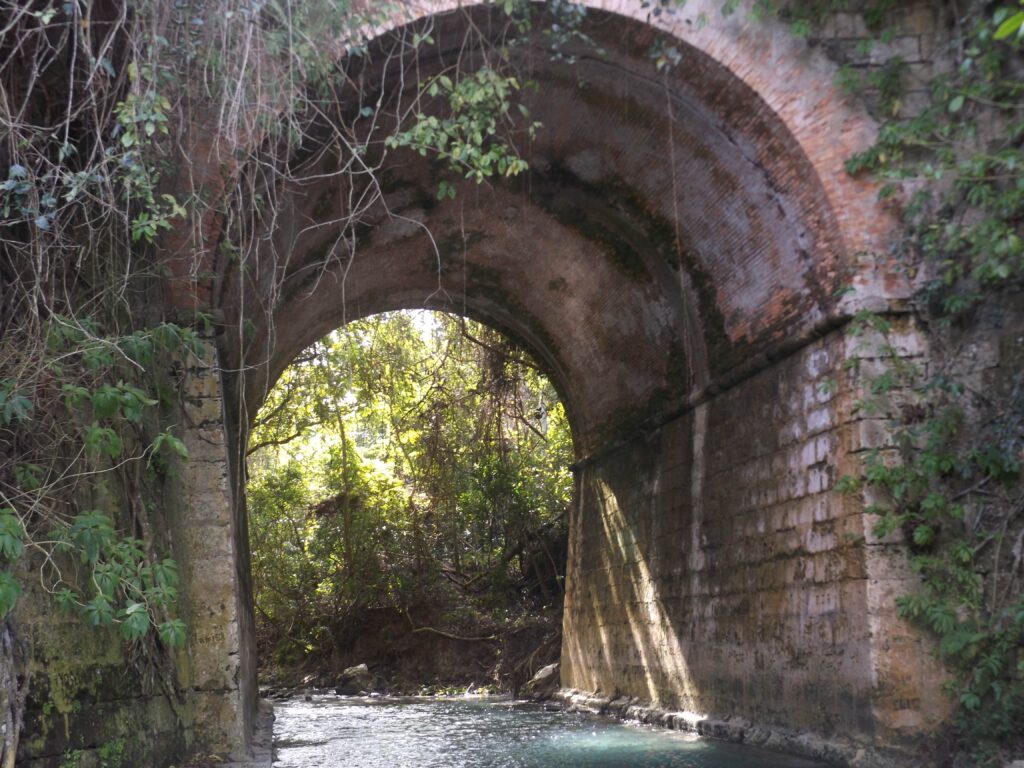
836	752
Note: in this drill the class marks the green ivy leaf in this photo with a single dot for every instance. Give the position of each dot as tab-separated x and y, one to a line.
1013	24
9	591
105	402
100	440
133	400
14	406
91	532
97	357
923	535
165	573
65	599
970	700
137	347
98	612
12	534
134	621
29	476
941	618
172	443
173	633
106	577
848	484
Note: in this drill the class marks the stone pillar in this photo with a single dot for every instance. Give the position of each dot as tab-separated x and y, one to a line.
908	702
206	548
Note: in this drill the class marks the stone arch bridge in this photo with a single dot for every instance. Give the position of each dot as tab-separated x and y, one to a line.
674	257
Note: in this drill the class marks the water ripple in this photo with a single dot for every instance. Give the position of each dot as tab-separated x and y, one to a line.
330	731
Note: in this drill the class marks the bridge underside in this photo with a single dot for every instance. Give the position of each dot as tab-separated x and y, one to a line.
673	257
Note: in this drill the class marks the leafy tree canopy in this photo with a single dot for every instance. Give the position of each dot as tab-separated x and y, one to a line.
400	461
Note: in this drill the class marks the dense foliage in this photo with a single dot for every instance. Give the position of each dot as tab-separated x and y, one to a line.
79	425
413	462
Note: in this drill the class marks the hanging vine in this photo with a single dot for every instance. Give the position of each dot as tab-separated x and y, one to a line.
97	101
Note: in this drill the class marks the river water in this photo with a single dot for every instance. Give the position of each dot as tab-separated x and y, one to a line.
342	732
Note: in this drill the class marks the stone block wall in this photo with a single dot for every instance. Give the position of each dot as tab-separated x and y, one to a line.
86	696
714	569
86	693
918	32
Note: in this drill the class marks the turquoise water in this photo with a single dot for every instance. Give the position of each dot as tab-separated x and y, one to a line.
336	732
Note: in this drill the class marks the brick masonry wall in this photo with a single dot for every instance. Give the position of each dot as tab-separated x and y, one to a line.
917	32
715	570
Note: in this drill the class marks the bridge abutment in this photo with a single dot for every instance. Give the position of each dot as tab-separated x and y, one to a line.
715	569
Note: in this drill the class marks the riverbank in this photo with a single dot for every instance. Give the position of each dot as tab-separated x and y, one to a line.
395	654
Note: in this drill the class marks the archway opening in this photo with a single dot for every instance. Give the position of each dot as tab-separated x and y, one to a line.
408	493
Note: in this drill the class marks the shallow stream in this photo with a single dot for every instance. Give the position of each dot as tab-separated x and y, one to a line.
342	732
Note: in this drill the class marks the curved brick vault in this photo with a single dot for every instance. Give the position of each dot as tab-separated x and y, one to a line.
701	218
672	257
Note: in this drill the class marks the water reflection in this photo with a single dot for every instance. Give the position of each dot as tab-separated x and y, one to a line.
480	733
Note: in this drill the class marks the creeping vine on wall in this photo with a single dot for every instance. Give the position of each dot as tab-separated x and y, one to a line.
948	480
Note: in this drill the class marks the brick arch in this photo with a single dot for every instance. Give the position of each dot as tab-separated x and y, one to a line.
779	71
793	81
672	257
732	172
